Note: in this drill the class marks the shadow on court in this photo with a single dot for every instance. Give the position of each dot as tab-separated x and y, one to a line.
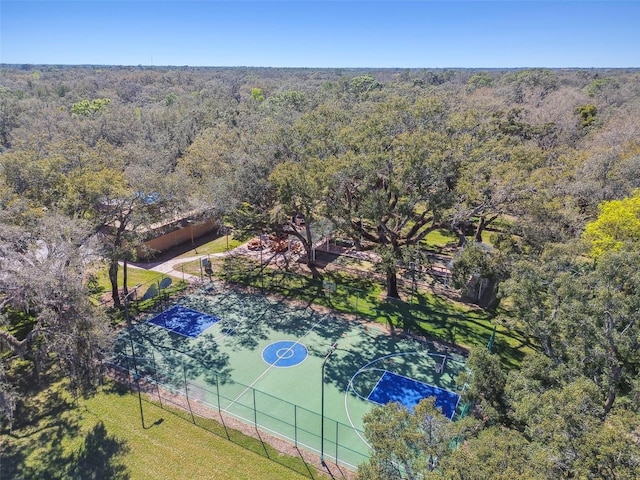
241	366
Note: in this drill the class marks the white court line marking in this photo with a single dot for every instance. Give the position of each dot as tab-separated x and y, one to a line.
272	365
376	386
365	367
350	386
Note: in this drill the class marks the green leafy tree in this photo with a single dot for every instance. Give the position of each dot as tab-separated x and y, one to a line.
124	218
38	179
297	193
46	317
582	315
363	84
607	89
587	114
89	107
531	85
487	182
477	271
496	453
257	95
486	382
290	99
480	80
537	295
394	183
407	445
9	114
611	450
561	419
606	329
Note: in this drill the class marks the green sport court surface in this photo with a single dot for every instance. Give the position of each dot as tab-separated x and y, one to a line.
260	359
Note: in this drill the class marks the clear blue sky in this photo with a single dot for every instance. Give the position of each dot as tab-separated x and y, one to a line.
314	33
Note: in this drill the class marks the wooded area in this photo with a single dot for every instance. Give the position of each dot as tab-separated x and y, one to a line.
535	171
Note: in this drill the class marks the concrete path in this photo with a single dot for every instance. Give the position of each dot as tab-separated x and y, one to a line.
168	267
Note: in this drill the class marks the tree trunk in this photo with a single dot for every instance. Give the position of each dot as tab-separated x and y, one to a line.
308	245
480	229
113	278
125	290
482	226
462	238
392	284
614	379
549	351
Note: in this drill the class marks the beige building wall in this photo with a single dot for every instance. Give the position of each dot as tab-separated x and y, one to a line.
180	236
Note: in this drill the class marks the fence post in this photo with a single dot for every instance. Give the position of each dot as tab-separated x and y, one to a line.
218	393
295	425
155	377
255	410
337	426
186	392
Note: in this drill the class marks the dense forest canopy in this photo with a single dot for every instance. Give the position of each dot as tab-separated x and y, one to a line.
542	165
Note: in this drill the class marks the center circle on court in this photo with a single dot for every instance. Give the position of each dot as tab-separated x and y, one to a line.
284	353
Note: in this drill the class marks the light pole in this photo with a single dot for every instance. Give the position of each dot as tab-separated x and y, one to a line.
136	376
262	245
324	362
412	266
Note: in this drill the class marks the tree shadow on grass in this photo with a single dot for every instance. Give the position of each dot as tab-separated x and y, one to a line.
39	454
435	320
38	448
100	456
39	413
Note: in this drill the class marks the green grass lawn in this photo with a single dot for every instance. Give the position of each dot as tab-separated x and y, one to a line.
135	276
143	277
218	245
439	239
102	438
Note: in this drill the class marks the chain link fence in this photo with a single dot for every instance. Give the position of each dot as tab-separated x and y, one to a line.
166	378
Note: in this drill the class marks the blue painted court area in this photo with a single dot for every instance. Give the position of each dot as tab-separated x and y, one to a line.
284	353
184	321
408	392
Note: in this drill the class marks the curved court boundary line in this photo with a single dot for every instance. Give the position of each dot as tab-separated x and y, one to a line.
365	368
361	371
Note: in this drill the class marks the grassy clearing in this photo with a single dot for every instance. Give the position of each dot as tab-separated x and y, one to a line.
439	239
102	437
135	276
140	276
192	267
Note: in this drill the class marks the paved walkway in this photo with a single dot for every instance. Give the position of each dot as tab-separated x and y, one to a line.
168	267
